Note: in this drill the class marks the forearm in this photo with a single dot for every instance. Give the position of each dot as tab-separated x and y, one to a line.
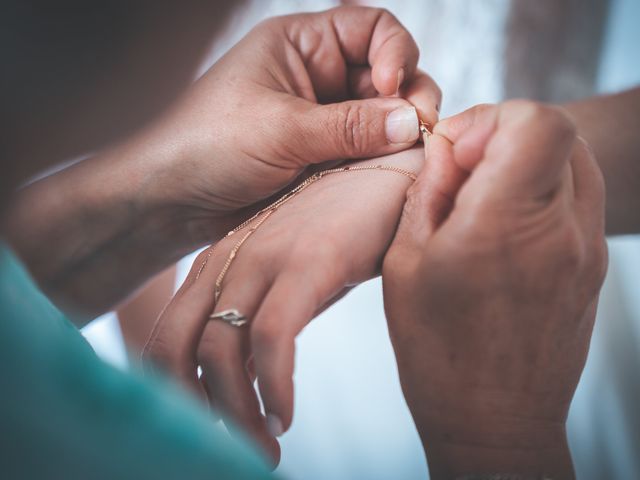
611	125
93	233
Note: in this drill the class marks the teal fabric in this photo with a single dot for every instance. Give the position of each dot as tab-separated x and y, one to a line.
66	414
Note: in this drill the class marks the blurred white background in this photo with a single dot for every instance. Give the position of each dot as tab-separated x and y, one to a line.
351	421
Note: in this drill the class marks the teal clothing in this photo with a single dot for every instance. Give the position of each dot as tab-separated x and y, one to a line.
66	414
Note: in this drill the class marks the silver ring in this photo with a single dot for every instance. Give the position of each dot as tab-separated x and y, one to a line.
232	316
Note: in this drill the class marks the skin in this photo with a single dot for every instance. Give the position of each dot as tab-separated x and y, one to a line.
610	124
195	171
138	315
112	191
271	282
619	162
491	286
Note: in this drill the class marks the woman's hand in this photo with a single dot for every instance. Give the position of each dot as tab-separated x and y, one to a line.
491	286
296	91
322	242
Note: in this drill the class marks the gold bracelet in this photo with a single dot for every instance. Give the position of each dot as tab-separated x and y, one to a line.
266	212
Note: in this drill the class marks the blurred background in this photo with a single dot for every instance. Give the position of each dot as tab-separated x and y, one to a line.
351	421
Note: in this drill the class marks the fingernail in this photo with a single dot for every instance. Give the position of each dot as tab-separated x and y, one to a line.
274	425
400	80
402	125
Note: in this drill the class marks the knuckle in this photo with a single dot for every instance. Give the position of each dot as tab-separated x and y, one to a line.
350	129
570	251
324	247
377	12
384	13
482	109
594	270
560	121
259	258
452	127
555	119
524	109
597	179
327	252
601	260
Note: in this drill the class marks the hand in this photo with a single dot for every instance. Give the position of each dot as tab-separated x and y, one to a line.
491	287
297	90
315	247
247	129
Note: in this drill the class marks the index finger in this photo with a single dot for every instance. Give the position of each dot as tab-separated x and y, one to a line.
361	36
423	93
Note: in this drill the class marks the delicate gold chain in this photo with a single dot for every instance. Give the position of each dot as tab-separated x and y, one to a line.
266	212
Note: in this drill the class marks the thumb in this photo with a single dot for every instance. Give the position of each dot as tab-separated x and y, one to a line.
431	197
355	129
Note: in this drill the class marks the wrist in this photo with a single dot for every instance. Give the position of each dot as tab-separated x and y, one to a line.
90	234
179	178
468	441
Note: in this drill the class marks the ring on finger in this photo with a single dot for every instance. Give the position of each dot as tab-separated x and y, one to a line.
231	316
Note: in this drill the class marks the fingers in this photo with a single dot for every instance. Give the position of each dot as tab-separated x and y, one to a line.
286	309
431	197
423	92
223	354
469	132
173	341
357	51
333	41
374	37
353	129
364	128
516	150
393	54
